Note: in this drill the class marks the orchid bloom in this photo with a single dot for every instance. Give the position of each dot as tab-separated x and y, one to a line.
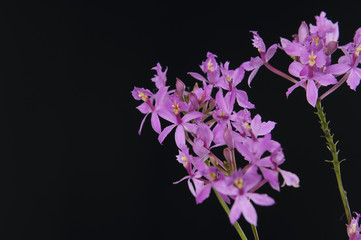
266	54
147	106
238	187
353	229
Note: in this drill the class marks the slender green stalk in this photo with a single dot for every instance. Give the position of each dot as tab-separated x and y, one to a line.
255	233
236	224
336	163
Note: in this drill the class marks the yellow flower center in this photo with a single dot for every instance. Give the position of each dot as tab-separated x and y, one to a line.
358	49
316	40
212	175
247	126
312	61
238	183
210	66
143	96
229	79
176	108
185	161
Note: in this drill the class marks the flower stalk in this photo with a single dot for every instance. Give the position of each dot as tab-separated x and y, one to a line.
331	146
255	233
226	209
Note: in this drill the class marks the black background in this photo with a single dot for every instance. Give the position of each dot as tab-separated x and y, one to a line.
72	165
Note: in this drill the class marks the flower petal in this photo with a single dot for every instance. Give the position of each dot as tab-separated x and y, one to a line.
291	48
326	79
311	93
271	51
251	76
338	69
354	79
261	199
236	210
191	115
295	68
180	138
156	123
165	133
198	76
203	193
291	179
302	32
141	124
248	211
290	90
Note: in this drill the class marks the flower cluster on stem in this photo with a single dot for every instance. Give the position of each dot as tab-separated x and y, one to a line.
312	69
217	114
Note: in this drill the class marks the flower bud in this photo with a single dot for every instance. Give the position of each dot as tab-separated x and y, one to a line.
331	47
179	88
228	138
194	101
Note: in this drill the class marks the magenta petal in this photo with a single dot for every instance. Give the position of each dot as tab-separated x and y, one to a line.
141	124
354	79
238	76
236	211
198	148
191	188
165	132
302	32
251	76
338	69
291	179
295	68
272	177
180	138
261	199
247	66
311	93
198	76
291	48
144	108
267	127
167	115
248	211
191	116
320	59
156	123
227	136
225	198
203	194
326	79
290	90
271	51
256	124
182	179
242	99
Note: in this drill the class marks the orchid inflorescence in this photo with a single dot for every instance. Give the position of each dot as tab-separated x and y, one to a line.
311	50
207	118
216	114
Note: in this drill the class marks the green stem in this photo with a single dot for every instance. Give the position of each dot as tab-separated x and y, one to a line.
236	224
336	163
255	233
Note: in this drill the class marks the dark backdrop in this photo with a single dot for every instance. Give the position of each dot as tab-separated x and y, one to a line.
72	164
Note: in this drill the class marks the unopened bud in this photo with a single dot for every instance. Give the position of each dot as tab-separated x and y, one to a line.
179	87
331	47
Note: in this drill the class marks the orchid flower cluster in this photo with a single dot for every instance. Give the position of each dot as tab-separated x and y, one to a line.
217	114
311	50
